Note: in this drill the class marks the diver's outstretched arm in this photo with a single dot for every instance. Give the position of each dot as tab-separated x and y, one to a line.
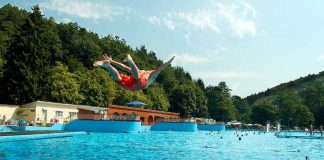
117	64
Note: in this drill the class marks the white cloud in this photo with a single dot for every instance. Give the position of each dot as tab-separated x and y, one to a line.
184	58
187	37
226	74
321	57
205	56
85	9
239	18
235	86
154	20
216	17
66	20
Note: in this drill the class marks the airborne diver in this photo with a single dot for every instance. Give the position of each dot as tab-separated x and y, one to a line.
137	79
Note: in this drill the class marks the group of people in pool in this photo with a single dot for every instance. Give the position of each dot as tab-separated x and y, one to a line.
311	131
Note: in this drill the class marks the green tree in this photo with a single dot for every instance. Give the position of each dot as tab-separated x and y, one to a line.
96	88
168	80
313	97
158	97
64	85
290	105
183	100
201	103
243	108
79	44
28	60
124	96
303	116
264	111
220	105
200	83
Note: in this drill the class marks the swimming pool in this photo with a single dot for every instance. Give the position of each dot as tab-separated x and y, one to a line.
165	145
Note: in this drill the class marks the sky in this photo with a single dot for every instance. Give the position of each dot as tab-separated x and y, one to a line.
252	45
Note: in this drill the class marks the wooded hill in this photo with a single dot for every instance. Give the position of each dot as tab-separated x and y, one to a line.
297	102
43	60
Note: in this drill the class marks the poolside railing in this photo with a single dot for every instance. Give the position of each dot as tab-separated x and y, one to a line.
103	117
171	120
189	120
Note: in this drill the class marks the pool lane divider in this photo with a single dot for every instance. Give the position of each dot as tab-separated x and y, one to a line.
38	135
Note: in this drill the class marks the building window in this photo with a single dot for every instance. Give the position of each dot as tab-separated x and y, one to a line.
58	113
73	114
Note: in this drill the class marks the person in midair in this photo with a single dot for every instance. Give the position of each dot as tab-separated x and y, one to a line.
137	79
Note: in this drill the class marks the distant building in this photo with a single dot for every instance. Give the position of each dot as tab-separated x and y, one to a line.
147	116
40	112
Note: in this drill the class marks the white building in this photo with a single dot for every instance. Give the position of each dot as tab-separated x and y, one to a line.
41	112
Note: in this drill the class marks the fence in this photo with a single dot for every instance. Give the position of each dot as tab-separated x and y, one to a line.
171	120
102	117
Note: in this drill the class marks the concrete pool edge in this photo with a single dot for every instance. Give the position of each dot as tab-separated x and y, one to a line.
39	136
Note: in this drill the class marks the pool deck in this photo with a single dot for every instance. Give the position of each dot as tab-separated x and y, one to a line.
30	133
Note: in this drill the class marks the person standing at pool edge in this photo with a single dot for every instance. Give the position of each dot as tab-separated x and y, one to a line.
137	80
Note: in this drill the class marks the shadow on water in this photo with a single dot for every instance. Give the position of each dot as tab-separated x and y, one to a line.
2	155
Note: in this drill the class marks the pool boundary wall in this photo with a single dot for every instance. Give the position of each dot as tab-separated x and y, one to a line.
117	127
211	127
105	126
55	127
174	126
38	136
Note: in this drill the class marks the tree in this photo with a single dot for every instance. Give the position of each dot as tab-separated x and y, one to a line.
183	100
264	111
64	85
79	44
303	116
313	97
96	87
290	106
28	60
220	105
158	97
168	80
201	103
243	108
2	62
200	83
124	96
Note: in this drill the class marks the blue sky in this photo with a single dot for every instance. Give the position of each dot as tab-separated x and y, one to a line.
252	45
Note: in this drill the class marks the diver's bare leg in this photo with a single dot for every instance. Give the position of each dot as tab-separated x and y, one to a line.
162	66
157	71
117	64
133	67
112	71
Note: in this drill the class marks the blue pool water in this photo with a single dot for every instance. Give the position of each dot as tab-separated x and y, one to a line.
165	145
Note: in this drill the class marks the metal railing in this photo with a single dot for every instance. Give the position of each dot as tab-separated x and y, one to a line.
210	123
103	117
177	120
70	118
